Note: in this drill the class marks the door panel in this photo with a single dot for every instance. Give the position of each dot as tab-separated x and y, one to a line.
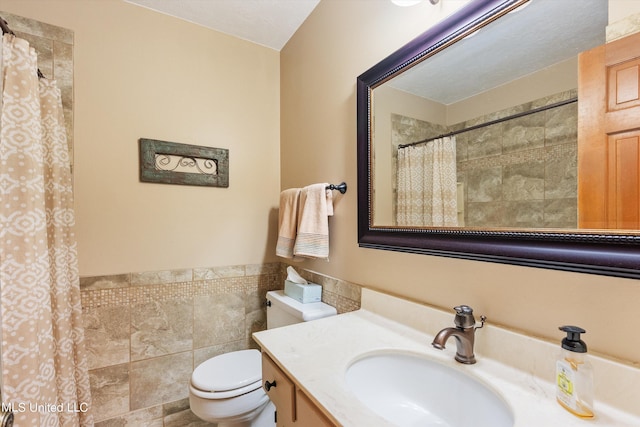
609	136
624	202
624	85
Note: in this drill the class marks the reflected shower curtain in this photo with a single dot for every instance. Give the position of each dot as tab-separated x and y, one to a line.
44	366
426	184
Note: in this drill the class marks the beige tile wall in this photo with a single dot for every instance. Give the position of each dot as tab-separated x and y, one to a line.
518	173
522	172
344	296
146	332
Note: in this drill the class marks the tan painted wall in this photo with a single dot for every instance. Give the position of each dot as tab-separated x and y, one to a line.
554	79
138	74
339	41
142	74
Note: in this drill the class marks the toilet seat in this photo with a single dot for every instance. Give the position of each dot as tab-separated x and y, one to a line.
228	375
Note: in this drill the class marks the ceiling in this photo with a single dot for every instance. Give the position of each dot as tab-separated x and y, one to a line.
544	33
578	24
269	23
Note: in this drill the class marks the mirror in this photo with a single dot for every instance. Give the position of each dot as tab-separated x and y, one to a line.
500	79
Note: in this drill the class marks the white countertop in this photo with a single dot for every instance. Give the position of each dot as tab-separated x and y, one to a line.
317	354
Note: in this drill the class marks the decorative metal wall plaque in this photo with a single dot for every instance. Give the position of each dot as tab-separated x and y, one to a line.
172	163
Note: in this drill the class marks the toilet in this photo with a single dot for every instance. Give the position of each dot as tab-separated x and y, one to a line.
227	389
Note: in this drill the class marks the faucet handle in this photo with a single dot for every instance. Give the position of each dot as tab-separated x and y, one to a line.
464	317
463	309
482	320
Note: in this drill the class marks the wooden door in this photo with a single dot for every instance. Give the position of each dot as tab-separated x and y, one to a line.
609	136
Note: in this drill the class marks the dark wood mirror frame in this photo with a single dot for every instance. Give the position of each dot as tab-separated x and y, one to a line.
585	251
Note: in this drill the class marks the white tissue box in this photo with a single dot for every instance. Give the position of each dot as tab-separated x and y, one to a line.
303	293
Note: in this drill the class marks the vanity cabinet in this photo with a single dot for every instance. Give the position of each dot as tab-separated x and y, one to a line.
308	413
293	406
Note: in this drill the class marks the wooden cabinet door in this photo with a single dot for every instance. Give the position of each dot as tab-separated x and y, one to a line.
308	414
280	390
609	136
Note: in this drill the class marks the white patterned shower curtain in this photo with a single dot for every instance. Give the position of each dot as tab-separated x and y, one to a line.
427	184
44	366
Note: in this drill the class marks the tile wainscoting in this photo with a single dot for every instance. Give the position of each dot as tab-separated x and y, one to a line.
145	333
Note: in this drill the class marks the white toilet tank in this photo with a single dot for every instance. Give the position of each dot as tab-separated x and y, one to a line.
283	310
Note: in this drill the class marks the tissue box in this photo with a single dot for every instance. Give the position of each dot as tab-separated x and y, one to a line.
303	293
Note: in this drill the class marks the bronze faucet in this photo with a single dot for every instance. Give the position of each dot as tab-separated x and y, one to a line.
464	333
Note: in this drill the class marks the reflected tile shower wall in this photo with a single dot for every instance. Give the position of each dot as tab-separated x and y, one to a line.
518	173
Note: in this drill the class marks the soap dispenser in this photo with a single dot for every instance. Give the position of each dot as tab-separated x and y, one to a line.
574	375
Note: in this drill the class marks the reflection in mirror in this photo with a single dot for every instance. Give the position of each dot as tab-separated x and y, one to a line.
516	195
484	133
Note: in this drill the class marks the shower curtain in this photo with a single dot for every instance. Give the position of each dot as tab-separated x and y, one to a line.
44	366
426	184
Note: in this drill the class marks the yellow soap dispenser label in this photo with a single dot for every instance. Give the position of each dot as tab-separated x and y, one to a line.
565	384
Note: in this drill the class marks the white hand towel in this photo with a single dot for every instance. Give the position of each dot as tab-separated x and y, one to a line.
316	205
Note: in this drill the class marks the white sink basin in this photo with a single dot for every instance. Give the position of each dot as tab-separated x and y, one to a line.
410	391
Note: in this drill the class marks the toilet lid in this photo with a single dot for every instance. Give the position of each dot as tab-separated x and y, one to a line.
228	371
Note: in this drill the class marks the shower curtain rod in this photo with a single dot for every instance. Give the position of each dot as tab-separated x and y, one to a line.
6	30
493	122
